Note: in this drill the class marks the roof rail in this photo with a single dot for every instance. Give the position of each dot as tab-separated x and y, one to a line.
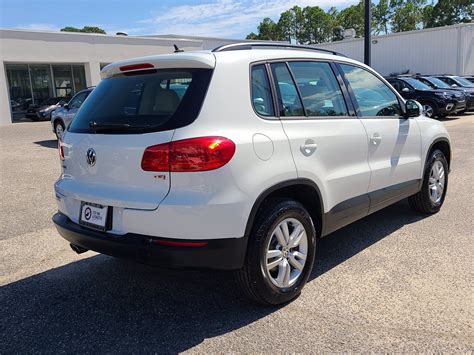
280	45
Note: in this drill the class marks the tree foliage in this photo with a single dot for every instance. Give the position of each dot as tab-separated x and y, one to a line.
449	12
85	29
311	24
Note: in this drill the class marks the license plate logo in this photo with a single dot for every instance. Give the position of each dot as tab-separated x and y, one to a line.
93	215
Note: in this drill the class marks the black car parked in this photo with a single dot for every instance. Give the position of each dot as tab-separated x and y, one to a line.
435	102
436	83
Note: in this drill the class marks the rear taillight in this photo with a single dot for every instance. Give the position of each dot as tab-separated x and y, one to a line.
194	154
60	149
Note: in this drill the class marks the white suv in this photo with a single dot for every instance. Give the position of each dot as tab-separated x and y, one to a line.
240	158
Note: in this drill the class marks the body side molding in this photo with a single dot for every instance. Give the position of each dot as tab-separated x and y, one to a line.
360	206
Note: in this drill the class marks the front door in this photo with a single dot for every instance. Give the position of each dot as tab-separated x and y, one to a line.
394	141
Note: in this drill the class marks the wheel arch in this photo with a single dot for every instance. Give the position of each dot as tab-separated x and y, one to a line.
443	145
302	190
58	120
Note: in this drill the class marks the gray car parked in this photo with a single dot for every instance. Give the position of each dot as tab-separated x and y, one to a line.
62	117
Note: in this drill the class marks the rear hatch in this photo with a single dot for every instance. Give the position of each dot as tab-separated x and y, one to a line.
137	105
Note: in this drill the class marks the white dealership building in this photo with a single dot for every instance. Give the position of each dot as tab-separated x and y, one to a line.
36	65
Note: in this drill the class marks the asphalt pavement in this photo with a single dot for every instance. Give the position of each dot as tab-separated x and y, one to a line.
392	282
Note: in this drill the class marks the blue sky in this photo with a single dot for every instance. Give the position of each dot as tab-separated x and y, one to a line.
217	18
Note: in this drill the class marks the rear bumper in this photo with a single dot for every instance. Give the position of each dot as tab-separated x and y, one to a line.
221	254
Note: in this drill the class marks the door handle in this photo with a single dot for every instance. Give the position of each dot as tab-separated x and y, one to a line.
308	148
376	139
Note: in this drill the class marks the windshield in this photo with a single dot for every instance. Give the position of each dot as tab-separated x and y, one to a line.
464	82
153	100
417	84
439	83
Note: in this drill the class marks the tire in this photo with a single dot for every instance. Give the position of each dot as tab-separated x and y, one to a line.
426	200
257	279
57	126
429	109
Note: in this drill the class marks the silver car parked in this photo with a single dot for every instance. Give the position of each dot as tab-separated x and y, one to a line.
62	116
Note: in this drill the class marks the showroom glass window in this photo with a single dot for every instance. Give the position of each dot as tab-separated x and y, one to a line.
33	84
79	77
319	89
63	80
19	85
373	96
41	82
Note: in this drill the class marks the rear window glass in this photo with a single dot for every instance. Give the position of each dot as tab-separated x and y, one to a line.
148	101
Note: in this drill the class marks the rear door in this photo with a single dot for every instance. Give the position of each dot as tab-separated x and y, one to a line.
123	116
328	142
394	141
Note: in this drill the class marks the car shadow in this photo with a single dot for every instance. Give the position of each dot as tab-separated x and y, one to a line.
352	239
102	304
450	118
50	143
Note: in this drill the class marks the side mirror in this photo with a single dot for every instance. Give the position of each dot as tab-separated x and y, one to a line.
405	90
66	106
412	109
454	86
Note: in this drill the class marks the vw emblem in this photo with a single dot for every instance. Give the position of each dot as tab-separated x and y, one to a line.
91	157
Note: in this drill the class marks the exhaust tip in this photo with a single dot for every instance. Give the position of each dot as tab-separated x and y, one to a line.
78	249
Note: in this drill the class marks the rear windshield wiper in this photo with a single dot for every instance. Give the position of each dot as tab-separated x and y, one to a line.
115	126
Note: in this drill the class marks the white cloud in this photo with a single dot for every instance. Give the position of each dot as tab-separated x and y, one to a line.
224	18
39	27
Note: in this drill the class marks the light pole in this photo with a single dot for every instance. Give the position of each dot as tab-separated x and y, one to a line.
367	32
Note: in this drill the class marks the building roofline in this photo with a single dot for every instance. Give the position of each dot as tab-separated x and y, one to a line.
12	31
396	34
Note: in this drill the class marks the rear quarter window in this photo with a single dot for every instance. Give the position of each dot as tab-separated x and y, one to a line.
147	101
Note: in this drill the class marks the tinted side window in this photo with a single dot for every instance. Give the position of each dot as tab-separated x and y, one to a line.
319	89
447	80
288	99
261	91
373	96
77	101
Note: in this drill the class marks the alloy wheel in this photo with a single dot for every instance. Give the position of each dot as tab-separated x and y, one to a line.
286	253
428	110
436	182
59	130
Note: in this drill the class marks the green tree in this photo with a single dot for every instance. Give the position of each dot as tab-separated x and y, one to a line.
318	25
381	16
291	24
85	29
252	36
407	15
352	17
449	12
268	30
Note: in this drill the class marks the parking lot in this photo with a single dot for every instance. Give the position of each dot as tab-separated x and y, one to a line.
394	281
